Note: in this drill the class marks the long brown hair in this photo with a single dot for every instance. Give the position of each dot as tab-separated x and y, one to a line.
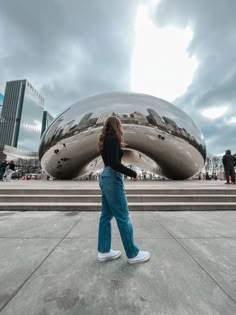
112	127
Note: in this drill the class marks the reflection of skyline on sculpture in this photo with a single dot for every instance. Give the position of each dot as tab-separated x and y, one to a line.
137	112
136	118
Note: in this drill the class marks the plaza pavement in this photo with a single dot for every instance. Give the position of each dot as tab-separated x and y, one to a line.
48	263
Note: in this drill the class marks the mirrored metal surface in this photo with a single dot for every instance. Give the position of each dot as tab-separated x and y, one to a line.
160	137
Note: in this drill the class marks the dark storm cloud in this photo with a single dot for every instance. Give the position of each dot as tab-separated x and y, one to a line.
71	49
67	49
214	44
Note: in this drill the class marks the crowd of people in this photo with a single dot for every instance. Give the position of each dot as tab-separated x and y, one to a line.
228	160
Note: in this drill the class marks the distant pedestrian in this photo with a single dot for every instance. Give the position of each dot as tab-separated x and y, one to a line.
229	162
114	201
10	169
3	166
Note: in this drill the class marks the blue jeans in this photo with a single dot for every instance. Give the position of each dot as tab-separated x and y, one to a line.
114	203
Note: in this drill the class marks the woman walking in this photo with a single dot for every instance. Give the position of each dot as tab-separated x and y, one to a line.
114	201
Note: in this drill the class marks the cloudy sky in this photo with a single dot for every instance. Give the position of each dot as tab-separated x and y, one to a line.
183	51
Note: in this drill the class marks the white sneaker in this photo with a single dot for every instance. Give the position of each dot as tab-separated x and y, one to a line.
111	255
140	258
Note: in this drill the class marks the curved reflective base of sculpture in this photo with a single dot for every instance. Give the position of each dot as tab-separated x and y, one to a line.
160	137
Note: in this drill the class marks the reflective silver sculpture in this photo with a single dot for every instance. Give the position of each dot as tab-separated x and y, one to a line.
160	137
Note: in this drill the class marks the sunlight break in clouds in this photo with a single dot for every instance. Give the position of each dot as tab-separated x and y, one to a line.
232	120
160	63
214	112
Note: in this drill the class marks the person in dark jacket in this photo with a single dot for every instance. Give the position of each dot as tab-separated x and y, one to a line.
10	169
114	201
229	162
3	166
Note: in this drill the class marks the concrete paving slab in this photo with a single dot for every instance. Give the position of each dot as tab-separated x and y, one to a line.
198	225
18	259
36	224
87	227
218	258
145	226
184	276
72	282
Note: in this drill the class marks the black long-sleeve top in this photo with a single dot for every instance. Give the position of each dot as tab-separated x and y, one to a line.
112	154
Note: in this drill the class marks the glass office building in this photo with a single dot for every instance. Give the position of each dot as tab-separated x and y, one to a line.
22	114
47	120
31	120
1	102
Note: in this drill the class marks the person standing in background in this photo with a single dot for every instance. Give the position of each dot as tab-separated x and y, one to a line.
10	169
3	166
229	162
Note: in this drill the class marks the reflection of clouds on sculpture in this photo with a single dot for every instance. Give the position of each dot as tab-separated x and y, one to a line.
167	139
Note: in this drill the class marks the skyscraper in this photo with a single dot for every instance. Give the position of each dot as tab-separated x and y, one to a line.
154	118
1	101
46	122
21	119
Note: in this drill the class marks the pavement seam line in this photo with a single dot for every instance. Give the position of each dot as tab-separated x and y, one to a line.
232	299
33	272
